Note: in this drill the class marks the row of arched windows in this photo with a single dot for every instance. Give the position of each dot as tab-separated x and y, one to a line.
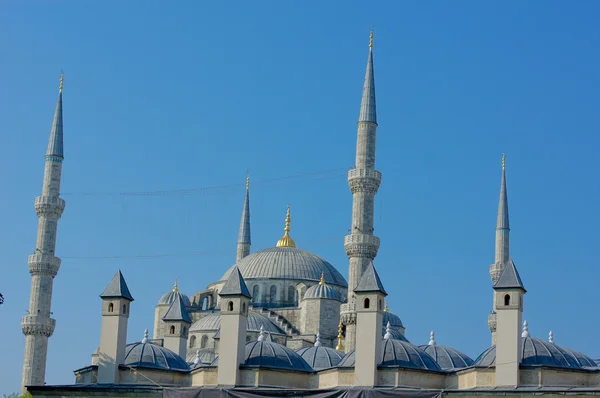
111	308
203	341
291	294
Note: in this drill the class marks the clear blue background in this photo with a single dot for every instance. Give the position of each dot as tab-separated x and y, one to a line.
185	95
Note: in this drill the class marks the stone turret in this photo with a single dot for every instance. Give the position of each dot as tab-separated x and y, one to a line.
502	256
116	302
244	241
177	323
369	321
361	245
509	292
235	300
38	326
320	312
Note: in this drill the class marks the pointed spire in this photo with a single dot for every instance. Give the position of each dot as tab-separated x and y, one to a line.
117	288
145	339
370	282
55	143
368	112
340	337
244	240
551	337
235	285
509	278
431	338
286	240
502	222
261	335
318	340
388	332
177	312
525	330
386	308
176	287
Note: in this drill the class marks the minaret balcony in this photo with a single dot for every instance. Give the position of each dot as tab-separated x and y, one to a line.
49	206
43	264
364	180
37	325
361	245
495	271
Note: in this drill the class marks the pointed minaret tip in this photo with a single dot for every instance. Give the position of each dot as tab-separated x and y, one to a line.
503	160
525	329
62	80
55	150
371	36
248	181
368	108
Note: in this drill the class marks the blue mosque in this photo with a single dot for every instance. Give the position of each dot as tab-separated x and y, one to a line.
283	321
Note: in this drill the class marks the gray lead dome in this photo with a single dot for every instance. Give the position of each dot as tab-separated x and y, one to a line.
169	298
448	358
320	357
287	263
322	292
149	355
269	354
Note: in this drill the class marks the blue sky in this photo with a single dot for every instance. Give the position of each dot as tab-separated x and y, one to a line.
163	97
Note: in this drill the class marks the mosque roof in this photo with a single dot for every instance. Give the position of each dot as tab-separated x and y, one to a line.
117	288
320	357
287	263
369	281
235	285
150	355
322	291
268	354
509	278
212	322
537	352
397	353
448	358
168	298
177	312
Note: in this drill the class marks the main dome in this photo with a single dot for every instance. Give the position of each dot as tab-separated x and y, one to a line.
287	263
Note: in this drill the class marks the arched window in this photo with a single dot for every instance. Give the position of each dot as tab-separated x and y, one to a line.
192	341
111	307
124	308
273	293
172	330
367	302
507	299
243	308
255	293
230	306
291	294
204	341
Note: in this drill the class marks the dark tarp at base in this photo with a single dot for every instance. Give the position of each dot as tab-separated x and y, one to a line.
191	392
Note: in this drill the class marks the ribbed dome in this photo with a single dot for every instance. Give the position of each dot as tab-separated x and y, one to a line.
320	357
212	322
392	318
269	354
396	334
287	263
322	291
149	355
397	353
537	352
169	298
448	358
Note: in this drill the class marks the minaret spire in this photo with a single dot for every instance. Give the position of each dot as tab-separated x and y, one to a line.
244	241
43	265
361	246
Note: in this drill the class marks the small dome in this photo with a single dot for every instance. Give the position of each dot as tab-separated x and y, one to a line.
319	357
448	358
392	318
207	355
397	353
150	355
169	298
396	334
287	263
269	354
322	291
212	322
537	352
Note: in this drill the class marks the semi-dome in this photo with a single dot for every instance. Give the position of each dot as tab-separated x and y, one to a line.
448	358
170	297
287	263
538	352
268	354
322	291
150	355
212	322
319	357
398	353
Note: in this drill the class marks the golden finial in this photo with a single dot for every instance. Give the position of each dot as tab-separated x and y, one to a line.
503	160
62	80
322	281
386	308
176	287
371	38
248	181
287	240
339	346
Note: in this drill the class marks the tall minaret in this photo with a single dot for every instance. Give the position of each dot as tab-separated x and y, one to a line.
502	244
361	246
43	264
243	245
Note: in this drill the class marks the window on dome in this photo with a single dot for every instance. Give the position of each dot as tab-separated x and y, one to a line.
291	294
255	293
273	293
367	303
507	299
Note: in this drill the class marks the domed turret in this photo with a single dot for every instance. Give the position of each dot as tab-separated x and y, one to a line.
322	291
168	298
